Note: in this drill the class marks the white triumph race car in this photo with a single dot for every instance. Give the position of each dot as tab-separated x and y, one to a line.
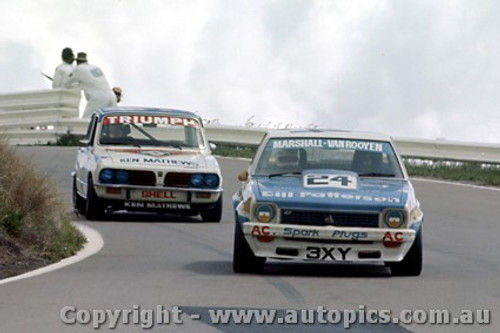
146	159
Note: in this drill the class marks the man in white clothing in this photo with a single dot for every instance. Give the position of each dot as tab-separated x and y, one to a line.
62	72
96	88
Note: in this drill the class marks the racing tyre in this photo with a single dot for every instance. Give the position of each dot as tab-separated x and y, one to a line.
411	265
213	215
244	261
94	208
78	201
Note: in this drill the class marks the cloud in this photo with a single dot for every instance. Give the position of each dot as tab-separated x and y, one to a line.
19	67
415	69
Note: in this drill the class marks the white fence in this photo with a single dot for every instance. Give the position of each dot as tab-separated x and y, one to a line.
39	117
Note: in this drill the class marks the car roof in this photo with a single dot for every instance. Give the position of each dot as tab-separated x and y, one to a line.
327	133
129	110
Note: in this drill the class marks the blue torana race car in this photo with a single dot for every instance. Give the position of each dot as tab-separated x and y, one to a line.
322	195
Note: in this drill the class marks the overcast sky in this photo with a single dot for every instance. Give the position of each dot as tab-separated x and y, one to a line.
420	69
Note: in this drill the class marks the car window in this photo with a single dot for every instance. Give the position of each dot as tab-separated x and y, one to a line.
367	158
151	130
89	136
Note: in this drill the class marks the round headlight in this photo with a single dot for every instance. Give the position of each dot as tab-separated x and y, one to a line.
416	215
394	218
264	212
122	176
197	180
106	176
212	180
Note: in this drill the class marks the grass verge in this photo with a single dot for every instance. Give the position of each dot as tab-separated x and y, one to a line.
35	226
235	151
463	172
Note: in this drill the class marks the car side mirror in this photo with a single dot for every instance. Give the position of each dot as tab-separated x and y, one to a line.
213	146
84	142
243	176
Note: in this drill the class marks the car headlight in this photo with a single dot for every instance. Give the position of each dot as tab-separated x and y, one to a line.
197	180
122	176
264	212
416	215
394	218
211	180
204	180
106	176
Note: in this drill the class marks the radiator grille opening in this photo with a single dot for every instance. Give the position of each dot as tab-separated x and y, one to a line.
136	177
338	219
177	179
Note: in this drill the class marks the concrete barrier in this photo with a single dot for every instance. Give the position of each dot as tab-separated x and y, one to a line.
40	117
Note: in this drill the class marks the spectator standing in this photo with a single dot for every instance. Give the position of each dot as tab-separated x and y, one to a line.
62	72
94	84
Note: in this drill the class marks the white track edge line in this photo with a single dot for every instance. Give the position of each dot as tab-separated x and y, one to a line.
93	245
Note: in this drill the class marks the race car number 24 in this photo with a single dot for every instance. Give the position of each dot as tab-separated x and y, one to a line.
327	253
339	181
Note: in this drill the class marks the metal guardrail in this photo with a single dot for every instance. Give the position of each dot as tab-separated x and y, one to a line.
34	117
40	117
448	150
40	99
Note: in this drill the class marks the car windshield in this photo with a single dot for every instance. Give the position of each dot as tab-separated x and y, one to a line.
151	130
291	156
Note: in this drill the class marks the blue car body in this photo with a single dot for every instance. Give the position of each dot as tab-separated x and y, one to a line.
323	206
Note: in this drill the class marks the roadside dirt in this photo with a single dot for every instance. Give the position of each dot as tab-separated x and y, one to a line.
14	261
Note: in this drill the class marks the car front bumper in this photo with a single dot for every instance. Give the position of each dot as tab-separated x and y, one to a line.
156	198
327	243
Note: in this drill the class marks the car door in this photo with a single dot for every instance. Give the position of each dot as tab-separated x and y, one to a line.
85	160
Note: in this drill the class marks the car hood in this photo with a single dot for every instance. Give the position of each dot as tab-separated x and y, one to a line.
151	158
366	193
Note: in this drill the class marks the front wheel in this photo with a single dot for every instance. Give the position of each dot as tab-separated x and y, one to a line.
244	261
94	208
213	215
412	263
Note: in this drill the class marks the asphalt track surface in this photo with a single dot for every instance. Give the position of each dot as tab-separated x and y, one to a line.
150	261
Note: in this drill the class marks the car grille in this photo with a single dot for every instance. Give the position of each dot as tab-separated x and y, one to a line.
338	219
177	179
136	177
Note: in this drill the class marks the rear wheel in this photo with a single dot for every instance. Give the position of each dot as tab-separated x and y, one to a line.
213	215
244	261
412	263
94	208
78	201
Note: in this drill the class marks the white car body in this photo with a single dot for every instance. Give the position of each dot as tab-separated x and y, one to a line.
147	159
